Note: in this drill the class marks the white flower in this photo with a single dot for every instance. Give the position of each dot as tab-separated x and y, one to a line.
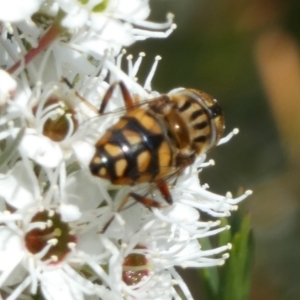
148	255
65	233
18	10
88	29
161	238
52	117
39	242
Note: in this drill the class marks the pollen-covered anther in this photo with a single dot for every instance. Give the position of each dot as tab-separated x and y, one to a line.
205	186
124	245
226	255
120	220
52	242
41	207
214	223
43	184
174	282
80	254
54	258
71	245
221	262
54	233
236	131
55	187
11	124
170	16
39	83
41	226
234	208
51	213
229	195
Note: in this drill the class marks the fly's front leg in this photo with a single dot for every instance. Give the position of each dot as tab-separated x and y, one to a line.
108	95
128	100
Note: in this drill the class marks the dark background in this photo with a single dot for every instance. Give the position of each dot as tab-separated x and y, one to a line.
246	54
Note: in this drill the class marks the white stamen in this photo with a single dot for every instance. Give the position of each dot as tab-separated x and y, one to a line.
119	58
150	76
228	137
130	66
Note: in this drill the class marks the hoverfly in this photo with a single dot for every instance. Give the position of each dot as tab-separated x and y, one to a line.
156	139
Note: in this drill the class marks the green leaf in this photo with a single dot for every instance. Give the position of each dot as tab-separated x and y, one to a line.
235	277
231	281
100	7
224	236
210	275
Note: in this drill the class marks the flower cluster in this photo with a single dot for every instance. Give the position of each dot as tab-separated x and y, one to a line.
58	60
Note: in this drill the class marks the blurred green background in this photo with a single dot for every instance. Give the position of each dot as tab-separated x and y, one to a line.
246	54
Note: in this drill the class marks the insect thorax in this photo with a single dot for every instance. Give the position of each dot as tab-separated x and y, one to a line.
135	150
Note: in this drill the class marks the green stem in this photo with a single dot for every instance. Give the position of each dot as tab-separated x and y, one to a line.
44	42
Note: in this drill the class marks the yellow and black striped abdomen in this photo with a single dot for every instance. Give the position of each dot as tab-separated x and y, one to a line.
134	150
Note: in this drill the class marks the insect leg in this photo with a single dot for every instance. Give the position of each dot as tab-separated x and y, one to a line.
165	191
139	198
125	93
121	206
148	202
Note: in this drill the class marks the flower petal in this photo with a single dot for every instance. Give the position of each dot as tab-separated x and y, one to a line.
11	249
54	285
42	150
17	188
69	212
17	10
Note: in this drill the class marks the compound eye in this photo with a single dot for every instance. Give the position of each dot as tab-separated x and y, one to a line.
178	130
